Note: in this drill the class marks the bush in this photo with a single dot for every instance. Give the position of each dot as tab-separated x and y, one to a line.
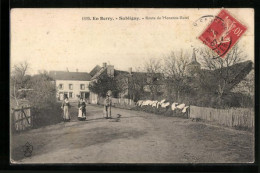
46	116
45	109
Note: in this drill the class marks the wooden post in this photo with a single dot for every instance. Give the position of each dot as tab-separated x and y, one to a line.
25	115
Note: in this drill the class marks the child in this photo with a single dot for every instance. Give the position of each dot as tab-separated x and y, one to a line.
82	110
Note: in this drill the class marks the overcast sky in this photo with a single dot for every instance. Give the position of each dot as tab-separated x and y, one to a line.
56	39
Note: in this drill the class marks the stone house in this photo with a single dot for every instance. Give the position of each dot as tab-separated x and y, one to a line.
129	81
71	84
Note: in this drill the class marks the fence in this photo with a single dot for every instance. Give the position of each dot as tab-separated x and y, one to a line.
234	117
118	102
21	118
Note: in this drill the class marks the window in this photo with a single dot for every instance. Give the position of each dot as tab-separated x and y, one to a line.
61	86
70	86
82	86
70	94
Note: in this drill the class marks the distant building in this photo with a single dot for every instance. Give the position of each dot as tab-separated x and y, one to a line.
95	73
127	80
71	84
246	86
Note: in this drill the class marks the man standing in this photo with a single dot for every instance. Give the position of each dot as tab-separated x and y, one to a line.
107	106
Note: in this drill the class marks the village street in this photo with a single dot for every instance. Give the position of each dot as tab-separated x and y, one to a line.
136	137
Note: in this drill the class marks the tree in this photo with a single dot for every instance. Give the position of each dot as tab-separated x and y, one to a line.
131	84
153	76
224	76
174	69
43	93
104	83
19	80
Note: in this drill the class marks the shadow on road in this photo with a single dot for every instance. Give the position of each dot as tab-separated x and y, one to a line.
77	139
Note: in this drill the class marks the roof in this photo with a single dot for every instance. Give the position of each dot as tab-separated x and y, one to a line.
236	73
64	75
101	70
95	70
126	73
142	75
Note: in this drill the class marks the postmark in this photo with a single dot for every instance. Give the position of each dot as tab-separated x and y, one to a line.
222	33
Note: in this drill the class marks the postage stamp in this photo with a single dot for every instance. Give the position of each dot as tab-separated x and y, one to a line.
222	33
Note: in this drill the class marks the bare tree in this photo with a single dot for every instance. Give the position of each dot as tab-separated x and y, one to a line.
175	64
174	69
222	66
18	79
153	68
210	61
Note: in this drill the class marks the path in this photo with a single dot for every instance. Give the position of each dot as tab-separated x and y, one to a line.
137	137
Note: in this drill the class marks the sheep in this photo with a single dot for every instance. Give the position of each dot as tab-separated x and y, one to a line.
174	105
164	105
154	103
185	109
181	106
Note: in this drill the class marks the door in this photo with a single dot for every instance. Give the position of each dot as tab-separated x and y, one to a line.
87	95
66	95
61	96
84	95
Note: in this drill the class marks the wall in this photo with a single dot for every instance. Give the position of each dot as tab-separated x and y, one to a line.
234	117
76	87
93	98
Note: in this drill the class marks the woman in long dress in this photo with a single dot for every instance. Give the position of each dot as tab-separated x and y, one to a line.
82	110
65	106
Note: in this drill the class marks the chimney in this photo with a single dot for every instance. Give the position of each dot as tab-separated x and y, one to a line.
67	69
77	70
110	70
104	64
130	70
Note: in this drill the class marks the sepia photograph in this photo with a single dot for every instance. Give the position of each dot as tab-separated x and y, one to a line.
132	85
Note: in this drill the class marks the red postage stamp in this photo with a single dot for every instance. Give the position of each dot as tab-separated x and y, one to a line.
222	33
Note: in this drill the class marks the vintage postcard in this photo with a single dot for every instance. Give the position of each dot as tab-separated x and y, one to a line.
132	85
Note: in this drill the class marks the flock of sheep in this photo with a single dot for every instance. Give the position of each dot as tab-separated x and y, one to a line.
163	104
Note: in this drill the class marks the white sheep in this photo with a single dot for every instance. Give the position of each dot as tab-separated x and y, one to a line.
141	102
138	102
149	102
181	106
164	105
146	102
185	109
154	103
174	105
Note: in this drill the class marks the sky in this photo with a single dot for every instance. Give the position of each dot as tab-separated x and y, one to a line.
56	39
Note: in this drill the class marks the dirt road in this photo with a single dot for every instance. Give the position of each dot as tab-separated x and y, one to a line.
136	137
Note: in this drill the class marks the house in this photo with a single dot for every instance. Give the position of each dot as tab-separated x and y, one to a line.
129	82
246	86
71	84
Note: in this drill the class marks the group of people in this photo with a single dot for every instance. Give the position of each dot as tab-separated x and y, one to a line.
82	108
